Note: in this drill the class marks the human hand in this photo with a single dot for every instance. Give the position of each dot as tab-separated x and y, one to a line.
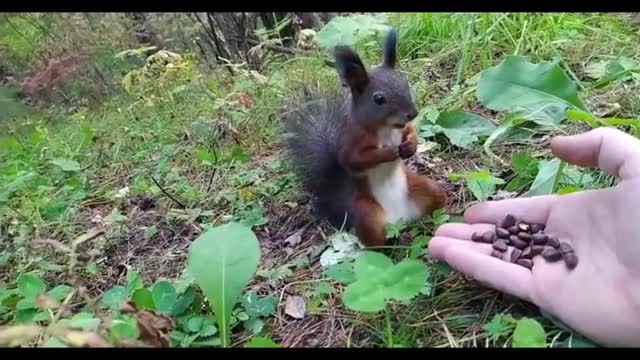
600	298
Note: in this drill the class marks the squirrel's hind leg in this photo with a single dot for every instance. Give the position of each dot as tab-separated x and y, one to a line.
368	220
427	194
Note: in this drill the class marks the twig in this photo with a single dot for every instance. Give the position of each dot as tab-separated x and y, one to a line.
276	48
167	194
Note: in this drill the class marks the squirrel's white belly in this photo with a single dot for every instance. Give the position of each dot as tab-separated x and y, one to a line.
388	183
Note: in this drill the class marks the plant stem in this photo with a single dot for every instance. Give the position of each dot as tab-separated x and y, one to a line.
556	181
389	331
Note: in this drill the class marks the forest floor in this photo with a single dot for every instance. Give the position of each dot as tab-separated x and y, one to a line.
102	204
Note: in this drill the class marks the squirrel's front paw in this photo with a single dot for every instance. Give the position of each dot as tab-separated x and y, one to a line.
407	149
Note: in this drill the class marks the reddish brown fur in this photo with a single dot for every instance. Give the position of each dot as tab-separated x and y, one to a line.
360	152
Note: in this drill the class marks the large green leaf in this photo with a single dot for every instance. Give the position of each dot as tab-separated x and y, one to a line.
348	30
371	264
30	285
481	183
222	260
545	181
261	342
461	127
115	297
164	296
255	306
66	164
539	92
529	334
379	280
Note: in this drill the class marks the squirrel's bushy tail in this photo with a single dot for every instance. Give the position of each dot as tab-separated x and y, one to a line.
313	129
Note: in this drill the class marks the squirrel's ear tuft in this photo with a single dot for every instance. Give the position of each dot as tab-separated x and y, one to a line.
351	69
389	52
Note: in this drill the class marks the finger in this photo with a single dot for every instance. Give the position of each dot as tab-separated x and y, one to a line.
462	231
533	210
472	260
609	149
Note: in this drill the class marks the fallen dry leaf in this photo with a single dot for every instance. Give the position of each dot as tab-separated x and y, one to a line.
154	329
127	308
295	307
12	336
44	301
295	238
424	147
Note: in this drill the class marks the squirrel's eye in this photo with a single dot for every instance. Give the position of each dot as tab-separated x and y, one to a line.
379	99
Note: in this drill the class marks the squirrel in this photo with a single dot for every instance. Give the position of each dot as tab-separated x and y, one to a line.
348	149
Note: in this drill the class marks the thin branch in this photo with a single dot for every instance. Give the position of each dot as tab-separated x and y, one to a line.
276	48
167	194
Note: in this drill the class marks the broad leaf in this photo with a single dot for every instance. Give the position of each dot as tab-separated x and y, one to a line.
115	297
255	306
261	342
481	183
134	281
184	301
60	292
66	165
538	92
222	260
30	285
529	334
500	325
125	328
405	279
143	299
348	30
379	280
84	321
164	297
619	69
341	272
371	264
460	127
546	179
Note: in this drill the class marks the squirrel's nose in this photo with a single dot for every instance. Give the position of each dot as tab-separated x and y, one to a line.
412	114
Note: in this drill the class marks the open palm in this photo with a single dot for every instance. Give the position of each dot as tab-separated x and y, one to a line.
601	296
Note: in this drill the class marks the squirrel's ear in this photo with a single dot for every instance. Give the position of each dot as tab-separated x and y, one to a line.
389	52
351	69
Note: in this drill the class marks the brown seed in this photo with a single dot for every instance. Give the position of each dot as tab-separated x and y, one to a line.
524	227
571	260
509	221
536	250
535	228
565	248
526	253
517	242
502	232
525	262
524	236
497	254
539	239
488	237
513	229
476	237
515	255
553	242
500	245
551	255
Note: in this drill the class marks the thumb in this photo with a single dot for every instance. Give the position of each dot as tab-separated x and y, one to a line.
609	149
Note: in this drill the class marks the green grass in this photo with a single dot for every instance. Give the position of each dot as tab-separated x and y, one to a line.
205	148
